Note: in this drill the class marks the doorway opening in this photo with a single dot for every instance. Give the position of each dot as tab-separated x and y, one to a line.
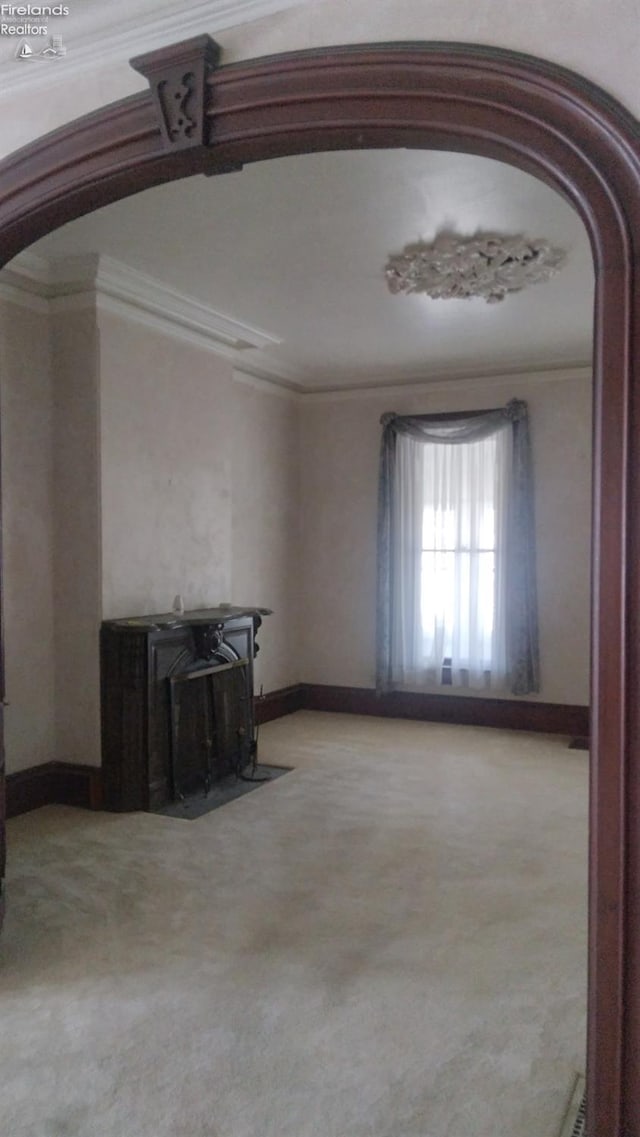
547	122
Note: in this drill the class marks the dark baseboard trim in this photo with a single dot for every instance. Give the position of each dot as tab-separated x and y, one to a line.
509	714
53	783
65	783
275	704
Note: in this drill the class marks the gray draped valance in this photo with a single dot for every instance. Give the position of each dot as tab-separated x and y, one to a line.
521	609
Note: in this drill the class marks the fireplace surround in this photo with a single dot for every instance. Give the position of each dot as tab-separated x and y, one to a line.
176	703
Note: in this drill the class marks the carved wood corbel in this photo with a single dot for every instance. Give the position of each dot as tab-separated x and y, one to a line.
177	76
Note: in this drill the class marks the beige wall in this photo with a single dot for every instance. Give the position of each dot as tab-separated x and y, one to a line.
340	439
27	599
598	38
139	466
76	536
165	468
134	467
265	500
199	486
200	477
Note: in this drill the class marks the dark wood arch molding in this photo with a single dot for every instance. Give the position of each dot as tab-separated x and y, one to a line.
198	117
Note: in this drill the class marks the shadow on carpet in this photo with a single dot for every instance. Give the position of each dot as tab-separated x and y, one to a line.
224	791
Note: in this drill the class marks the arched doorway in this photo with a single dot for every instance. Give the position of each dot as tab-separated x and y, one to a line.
548	122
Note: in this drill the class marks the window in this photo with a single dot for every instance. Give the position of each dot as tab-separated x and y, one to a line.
461	550
456	581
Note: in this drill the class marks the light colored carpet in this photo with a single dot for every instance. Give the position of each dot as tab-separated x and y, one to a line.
388	942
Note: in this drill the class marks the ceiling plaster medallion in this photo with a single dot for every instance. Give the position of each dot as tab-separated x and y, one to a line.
488	265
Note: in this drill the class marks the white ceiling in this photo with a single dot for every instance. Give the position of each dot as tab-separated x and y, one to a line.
296	247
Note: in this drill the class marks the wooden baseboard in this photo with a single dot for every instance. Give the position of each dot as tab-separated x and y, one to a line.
53	783
275	704
509	714
65	783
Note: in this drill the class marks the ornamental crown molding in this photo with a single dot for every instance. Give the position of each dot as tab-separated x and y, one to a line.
115	279
77	282
90	281
488	265
455	381
73	275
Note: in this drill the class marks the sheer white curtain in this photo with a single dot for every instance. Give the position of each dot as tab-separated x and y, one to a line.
448	560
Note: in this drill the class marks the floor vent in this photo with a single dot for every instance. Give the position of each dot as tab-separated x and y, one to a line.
575	1121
